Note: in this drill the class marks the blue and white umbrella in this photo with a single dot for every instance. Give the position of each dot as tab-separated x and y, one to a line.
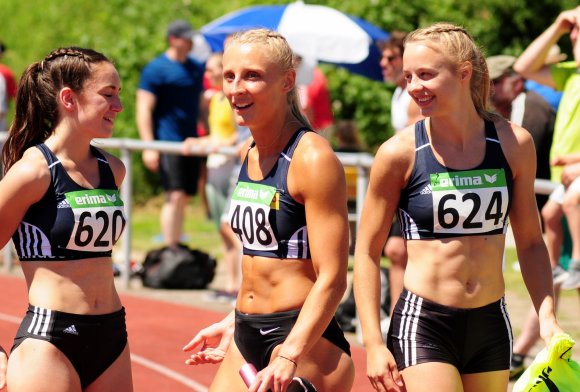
314	32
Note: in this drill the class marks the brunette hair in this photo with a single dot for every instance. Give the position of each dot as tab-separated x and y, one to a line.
36	113
395	41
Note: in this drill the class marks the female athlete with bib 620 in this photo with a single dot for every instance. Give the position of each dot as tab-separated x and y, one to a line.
59	201
454	178
289	211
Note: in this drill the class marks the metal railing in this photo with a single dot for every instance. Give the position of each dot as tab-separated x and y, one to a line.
126	146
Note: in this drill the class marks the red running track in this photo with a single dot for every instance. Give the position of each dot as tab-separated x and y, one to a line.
157	331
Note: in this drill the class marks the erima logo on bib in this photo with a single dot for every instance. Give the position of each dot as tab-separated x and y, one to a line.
94	198
471	179
469	202
257	194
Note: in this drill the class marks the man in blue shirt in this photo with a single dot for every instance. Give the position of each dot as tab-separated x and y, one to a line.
168	100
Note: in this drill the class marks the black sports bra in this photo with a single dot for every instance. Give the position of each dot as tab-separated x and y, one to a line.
263	214
71	222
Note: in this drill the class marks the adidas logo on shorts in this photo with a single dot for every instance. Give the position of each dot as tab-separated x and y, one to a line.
71	330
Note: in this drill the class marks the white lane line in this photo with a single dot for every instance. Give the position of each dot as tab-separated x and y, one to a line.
168	373
10	319
197	387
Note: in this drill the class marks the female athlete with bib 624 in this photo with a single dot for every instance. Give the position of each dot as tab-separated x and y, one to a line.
289	210
454	178
59	201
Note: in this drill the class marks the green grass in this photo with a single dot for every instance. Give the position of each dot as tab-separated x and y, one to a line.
200	232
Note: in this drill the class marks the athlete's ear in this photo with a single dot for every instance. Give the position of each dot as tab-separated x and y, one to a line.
465	71
289	80
66	97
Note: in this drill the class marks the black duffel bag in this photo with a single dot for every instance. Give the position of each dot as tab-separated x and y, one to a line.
177	267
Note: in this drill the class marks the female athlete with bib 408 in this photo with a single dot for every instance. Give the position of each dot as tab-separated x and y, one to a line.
59	201
454	179
289	211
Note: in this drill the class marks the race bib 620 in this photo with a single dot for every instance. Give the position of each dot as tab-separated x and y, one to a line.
99	219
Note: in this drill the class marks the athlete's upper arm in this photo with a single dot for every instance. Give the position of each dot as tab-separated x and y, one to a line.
317	179
23	185
389	174
520	152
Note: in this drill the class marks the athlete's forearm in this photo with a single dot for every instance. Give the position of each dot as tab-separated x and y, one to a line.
315	316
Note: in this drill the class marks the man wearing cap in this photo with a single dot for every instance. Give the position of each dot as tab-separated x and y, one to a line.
563	76
524	108
168	98
565	151
551	95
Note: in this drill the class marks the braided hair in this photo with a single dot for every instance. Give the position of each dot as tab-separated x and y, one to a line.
460	46
282	54
36	114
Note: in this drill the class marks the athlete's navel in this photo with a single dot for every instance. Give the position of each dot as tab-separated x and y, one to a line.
470	286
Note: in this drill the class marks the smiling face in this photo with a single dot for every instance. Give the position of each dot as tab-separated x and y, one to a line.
255	85
99	102
432	79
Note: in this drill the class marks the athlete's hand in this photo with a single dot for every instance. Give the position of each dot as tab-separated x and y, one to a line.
214	341
382	370
275	377
548	329
3	367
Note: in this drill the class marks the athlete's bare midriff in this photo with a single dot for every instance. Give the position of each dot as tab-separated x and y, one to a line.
463	272
80	287
274	285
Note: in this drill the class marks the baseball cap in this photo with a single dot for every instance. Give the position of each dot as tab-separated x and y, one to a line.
499	65
180	29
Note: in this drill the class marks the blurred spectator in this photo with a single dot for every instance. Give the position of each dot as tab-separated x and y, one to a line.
404	112
7	90
524	108
563	76
314	95
3	105
168	100
347	137
222	132
9	77
552	96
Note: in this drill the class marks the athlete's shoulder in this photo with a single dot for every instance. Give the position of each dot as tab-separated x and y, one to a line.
30	174
117	166
313	147
399	147
512	136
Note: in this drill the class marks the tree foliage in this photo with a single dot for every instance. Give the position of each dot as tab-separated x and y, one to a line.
133	32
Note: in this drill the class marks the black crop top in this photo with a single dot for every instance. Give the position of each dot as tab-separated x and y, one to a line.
71	222
441	202
263	214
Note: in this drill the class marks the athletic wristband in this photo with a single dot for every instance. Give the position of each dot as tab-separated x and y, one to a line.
288	359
